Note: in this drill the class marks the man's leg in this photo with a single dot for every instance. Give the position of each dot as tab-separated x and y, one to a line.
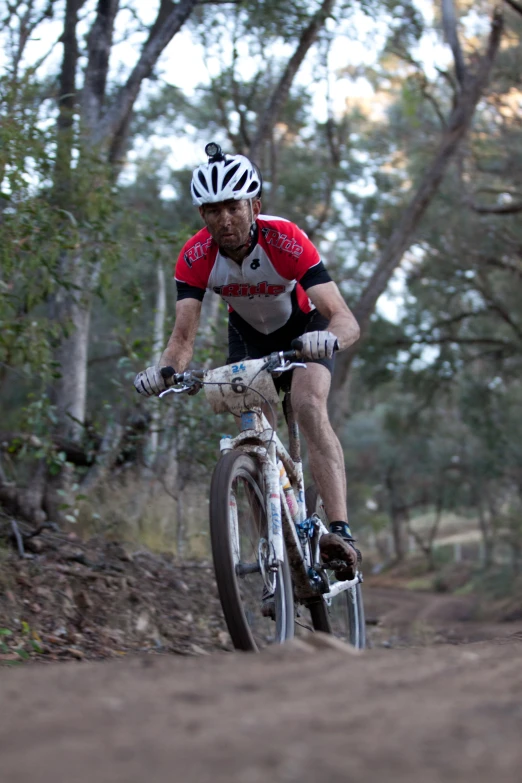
310	389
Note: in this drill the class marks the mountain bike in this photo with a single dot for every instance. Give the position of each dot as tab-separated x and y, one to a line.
264	527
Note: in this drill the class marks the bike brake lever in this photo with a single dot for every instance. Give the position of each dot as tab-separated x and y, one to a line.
173	390
285	368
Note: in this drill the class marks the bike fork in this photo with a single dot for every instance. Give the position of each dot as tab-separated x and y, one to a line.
273	507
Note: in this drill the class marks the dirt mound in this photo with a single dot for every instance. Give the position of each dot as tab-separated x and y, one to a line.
99	599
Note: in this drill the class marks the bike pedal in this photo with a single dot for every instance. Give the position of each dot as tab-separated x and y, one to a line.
333	565
268	604
268	608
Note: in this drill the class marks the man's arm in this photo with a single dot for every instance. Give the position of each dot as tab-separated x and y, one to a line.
180	346
328	300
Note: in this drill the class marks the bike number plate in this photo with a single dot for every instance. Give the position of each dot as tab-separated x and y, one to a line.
238	387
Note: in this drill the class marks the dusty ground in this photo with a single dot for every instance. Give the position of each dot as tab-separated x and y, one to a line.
405	618
446	713
413	708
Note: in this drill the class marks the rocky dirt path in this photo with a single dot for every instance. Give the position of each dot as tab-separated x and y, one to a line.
445	713
406	617
306	712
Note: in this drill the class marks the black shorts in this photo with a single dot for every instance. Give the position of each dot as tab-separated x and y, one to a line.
247	343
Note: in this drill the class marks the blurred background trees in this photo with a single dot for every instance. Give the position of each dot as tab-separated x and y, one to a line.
389	131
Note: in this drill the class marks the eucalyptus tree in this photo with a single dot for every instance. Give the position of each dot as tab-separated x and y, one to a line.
404	459
468	79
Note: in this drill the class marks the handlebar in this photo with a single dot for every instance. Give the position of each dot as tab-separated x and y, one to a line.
170	374
273	364
276	363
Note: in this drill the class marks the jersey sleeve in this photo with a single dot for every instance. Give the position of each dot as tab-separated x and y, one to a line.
194	265
315	276
186	291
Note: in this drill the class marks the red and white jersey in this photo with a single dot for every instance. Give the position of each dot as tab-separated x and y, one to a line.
268	287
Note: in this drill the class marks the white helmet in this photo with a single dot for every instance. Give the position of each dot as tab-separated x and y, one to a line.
224	177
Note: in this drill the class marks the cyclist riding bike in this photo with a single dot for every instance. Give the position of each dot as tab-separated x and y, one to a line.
277	289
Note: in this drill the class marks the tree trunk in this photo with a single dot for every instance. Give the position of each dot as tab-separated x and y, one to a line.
398	515
487	537
71	308
426	544
399	518
403	235
157	349
181	527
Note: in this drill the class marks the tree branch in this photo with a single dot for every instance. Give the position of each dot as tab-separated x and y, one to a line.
506	267
281	91
169	21
423	81
243	125
514	5
447	339
497	209
506	317
483	285
334	146
28	22
73	452
449	23
458	318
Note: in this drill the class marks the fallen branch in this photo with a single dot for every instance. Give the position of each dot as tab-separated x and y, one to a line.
497	209
74	453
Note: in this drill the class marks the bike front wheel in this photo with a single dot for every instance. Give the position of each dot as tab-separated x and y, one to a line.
343	615
257	600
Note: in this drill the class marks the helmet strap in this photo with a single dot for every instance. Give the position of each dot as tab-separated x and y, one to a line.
253	225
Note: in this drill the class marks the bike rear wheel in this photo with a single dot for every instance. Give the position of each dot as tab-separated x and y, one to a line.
343	615
240	549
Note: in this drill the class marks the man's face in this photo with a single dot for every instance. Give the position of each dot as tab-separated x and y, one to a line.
229	221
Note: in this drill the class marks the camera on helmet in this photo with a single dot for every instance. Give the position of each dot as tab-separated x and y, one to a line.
214	152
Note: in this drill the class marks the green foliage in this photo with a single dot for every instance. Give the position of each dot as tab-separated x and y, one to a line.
38	234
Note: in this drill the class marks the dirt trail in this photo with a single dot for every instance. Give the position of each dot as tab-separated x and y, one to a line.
406	617
314	710
297	713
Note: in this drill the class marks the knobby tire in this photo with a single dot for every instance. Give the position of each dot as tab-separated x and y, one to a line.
237	473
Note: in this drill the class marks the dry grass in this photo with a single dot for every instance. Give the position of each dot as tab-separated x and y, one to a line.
450	524
140	510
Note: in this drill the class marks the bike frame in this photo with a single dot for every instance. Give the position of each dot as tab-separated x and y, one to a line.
258	438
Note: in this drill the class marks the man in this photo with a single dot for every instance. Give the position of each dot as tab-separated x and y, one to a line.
277	289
